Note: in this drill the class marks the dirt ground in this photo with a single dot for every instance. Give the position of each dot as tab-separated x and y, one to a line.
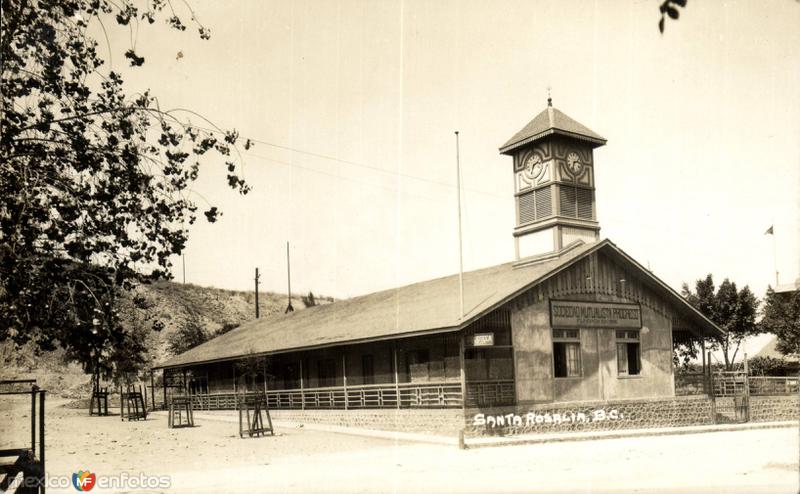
212	458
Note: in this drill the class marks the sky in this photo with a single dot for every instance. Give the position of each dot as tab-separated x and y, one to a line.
353	106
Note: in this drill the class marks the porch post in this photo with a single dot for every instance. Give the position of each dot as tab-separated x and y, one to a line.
185	383
461	345
233	366
152	389
265	375
703	351
344	377
302	393
164	385
396	374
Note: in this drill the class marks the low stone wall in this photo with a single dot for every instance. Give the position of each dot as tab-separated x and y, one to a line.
551	418
428	421
590	416
774	408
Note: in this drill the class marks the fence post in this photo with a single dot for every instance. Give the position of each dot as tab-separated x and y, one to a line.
41	432
711	392
746	389
34	389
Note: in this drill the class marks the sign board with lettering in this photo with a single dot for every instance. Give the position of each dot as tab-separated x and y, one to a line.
575	314
483	339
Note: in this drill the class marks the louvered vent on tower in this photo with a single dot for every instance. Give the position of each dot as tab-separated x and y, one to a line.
585	204
544	204
535	205
568	201
577	202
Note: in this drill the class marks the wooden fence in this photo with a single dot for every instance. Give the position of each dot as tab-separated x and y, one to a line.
403	395
727	384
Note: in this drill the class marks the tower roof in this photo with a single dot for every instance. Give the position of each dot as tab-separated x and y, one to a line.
551	121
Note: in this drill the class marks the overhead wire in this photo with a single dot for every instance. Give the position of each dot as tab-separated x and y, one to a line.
349	162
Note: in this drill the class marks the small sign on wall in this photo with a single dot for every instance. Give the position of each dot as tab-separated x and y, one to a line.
573	314
483	339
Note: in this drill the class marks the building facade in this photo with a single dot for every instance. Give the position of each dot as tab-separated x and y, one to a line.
572	319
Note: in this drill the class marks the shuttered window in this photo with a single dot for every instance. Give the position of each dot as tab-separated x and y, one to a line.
535	205
527	207
577	202
568	202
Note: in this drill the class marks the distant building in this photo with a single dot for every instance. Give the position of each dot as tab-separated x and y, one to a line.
573	318
792	361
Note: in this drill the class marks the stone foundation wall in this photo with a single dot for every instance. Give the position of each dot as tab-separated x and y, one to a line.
590	416
552	418
428	421
773	408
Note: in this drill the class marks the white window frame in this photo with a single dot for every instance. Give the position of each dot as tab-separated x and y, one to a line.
572	337
624	337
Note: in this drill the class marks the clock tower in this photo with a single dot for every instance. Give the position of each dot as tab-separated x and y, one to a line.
553	184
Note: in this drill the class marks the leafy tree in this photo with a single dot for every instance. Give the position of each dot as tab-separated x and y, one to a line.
782	318
669	8
189	334
768	366
253	368
136	317
309	300
732	309
684	350
94	181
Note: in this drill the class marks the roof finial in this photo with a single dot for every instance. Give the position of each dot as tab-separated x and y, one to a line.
549	98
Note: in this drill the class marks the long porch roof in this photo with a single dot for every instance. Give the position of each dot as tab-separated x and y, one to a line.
421	308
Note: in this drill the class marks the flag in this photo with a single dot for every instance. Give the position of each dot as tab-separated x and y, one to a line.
769	231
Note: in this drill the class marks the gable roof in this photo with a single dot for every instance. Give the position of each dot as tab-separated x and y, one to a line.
551	121
421	308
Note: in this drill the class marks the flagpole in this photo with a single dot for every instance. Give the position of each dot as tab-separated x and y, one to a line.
775	255
771	231
460	247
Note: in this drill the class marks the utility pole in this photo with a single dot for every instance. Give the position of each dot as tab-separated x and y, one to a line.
289	308
183	261
460	248
256	279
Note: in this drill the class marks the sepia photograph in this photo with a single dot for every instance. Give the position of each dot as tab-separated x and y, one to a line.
400	246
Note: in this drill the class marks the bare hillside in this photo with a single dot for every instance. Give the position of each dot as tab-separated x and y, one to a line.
173	304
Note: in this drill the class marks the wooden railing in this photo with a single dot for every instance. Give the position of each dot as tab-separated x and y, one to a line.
490	393
403	395
762	385
727	384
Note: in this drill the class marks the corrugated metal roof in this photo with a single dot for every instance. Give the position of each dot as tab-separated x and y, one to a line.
420	308
551	121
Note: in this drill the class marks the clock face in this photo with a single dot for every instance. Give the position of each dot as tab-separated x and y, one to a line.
533	166
574	163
